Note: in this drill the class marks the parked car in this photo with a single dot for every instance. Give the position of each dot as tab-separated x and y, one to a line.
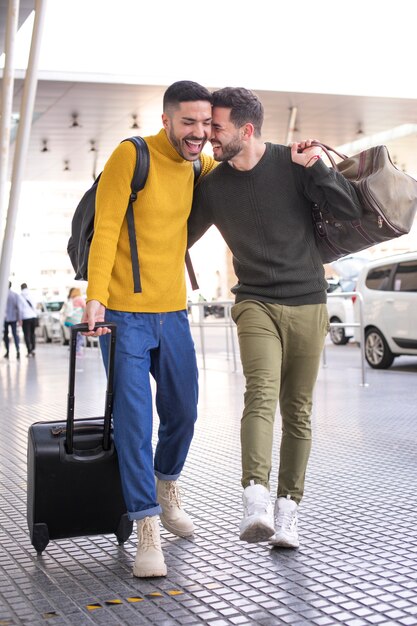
216	310
49	328
340	309
66	333
389	290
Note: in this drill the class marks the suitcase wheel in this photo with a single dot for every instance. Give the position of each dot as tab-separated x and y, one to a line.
124	529
40	537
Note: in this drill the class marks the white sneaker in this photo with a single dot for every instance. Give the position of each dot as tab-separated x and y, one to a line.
257	523
149	559
285	516
173	516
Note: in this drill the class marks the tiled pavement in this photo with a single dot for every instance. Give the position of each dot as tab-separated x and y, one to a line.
357	564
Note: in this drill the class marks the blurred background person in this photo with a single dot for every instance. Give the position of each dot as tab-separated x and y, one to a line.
12	315
73	310
29	319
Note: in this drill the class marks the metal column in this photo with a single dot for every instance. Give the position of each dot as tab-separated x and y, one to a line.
7	103
22	141
291	125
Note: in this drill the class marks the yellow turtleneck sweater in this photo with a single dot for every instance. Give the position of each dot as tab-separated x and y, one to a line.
161	212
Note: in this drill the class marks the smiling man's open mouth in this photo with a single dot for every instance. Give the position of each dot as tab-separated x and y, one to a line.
194	145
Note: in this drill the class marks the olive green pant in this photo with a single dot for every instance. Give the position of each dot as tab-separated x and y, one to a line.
280	349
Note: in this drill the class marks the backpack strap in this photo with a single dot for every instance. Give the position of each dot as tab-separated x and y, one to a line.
138	182
188	263
29	303
139	178
197	170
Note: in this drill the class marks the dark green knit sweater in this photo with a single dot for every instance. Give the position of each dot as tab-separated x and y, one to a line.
264	215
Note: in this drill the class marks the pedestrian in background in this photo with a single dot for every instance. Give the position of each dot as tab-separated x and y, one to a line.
72	313
29	319
12	316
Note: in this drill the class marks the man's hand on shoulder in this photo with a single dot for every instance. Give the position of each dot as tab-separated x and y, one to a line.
94	313
304	153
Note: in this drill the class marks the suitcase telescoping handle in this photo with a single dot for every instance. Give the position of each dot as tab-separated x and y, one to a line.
79	328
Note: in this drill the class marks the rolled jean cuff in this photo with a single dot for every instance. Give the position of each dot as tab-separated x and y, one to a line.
166	476
138	515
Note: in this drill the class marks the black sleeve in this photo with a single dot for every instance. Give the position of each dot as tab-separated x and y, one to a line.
331	191
200	218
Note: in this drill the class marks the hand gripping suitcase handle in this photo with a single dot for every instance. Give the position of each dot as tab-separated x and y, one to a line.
79	328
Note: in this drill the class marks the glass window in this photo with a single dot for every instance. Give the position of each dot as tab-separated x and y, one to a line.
379	278
53	306
405	278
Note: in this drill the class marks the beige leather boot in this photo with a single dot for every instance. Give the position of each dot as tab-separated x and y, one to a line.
173	517
149	559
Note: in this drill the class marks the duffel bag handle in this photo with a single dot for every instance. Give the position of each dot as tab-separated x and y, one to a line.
83	328
328	151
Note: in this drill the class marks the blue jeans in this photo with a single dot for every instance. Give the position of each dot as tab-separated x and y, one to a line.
13	326
159	344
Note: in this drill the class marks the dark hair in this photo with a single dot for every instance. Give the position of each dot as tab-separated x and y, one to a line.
184	91
244	104
74	292
23	286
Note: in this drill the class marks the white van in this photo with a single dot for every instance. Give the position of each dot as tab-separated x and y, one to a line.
389	290
345	273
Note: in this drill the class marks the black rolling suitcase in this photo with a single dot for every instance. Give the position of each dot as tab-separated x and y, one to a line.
73	482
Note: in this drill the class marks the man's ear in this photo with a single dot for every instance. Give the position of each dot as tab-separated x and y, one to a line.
247	131
165	120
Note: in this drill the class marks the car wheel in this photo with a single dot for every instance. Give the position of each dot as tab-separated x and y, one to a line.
46	337
337	334
377	352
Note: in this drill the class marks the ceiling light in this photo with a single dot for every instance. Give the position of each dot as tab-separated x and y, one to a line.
66	166
377	139
75	123
93	146
45	145
135	124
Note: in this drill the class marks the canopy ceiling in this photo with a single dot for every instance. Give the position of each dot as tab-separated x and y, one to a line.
78	122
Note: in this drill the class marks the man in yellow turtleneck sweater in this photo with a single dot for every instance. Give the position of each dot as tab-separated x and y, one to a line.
153	333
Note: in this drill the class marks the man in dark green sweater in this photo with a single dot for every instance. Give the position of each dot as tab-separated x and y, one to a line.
260	198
